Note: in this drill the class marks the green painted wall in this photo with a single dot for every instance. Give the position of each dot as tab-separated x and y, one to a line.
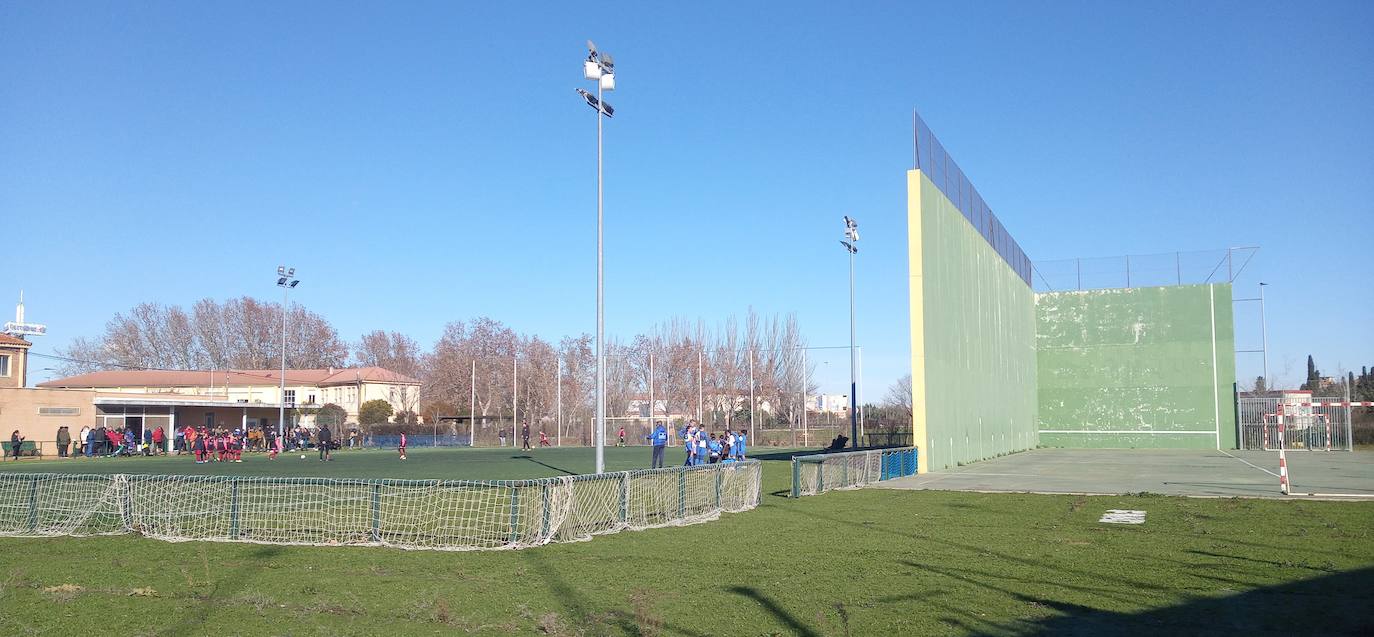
1140	367
973	338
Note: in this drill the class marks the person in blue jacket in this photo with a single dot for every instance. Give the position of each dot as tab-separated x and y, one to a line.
660	440
689	441
738	449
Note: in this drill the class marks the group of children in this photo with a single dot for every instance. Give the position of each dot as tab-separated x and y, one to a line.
219	445
705	448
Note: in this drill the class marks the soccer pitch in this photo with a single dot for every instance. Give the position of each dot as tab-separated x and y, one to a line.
866	562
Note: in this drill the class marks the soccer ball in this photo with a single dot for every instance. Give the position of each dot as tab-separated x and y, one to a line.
302	456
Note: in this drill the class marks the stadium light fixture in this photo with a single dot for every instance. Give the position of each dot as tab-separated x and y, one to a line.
851	232
286	280
599	67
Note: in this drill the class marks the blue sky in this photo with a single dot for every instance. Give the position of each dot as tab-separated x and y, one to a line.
421	163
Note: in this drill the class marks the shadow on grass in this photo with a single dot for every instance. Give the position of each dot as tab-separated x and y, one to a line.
576	604
792	623
1344	600
545	464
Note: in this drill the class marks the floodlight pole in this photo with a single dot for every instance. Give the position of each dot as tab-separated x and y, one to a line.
286	279
853	365
600	433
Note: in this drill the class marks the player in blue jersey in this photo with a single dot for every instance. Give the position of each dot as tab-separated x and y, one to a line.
659	438
738	448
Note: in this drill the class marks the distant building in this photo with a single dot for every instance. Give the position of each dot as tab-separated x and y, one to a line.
145	399
830	403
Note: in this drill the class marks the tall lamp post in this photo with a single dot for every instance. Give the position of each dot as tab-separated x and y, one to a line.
851	232
600	68
1264	336
286	279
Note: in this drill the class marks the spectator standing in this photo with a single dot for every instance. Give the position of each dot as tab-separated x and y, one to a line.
325	438
85	434
64	439
525	436
159	437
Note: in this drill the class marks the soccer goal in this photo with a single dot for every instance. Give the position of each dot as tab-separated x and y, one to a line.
817	473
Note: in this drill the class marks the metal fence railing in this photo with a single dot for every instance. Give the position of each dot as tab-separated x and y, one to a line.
817	473
1223	265
412	514
944	172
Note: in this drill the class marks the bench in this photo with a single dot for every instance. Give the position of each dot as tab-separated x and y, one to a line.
29	448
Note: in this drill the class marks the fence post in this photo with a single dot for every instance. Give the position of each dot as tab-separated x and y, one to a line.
717	471
682	493
796	478
625	497
126	503
33	503
234	510
376	511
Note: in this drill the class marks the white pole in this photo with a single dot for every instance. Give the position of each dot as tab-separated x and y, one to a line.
651	392
281	402
472	407
701	412
600	433
514	399
1349	441
806	436
853	364
752	436
859	389
1264	334
559	400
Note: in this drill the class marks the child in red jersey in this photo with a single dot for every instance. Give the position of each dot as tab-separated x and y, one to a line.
402	448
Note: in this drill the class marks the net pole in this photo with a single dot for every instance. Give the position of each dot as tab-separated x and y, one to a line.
472	407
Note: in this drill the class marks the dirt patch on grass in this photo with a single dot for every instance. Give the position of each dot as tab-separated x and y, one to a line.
64	592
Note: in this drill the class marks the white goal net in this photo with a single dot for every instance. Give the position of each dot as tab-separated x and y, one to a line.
412	514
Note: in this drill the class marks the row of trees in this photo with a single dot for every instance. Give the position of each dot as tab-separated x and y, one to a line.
1361	386
483	366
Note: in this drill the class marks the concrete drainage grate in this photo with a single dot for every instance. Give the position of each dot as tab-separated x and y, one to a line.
1123	516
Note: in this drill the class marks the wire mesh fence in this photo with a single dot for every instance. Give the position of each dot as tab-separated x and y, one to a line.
1142	270
450	515
817	473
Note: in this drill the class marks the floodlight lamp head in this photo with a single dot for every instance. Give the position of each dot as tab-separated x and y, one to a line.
281	270
291	272
295	283
281	281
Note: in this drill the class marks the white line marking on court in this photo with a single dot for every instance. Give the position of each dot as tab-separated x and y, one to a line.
1122	431
1249	463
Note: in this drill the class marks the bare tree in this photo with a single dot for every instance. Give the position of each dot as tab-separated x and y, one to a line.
899	395
389	350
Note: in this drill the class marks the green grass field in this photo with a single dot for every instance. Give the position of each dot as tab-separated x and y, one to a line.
868	562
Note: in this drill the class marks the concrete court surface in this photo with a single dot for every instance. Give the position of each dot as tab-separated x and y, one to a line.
1203	473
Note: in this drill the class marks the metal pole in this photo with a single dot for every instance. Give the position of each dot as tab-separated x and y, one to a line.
1178	267
281	403
600	433
1349	441
806	436
559	401
861	384
752	434
514	398
853	365
701	412
1264	334
1128	270
472	408
651	393
1078	266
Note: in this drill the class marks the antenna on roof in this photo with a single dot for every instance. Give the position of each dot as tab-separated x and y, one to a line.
18	327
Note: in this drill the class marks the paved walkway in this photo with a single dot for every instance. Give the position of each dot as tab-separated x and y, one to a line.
1204	473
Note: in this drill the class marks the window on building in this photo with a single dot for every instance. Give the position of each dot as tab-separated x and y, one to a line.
290	397
391	395
309	399
4	364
